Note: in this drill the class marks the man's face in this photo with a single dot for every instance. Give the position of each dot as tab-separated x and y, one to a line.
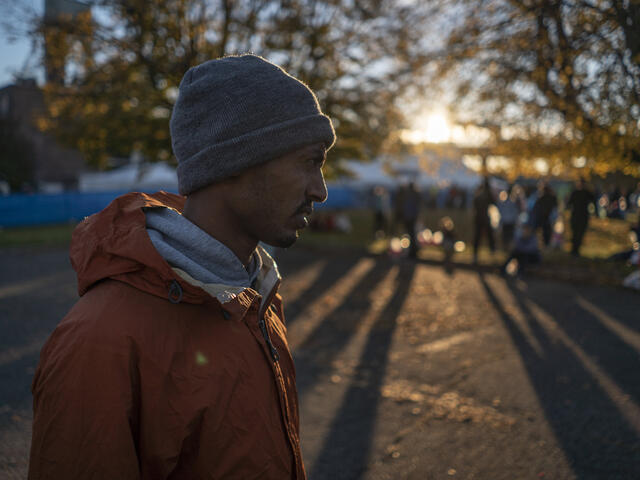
272	201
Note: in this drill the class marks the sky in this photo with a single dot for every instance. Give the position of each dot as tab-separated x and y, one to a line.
14	54
12	57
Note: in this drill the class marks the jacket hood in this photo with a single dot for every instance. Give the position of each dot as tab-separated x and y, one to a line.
114	244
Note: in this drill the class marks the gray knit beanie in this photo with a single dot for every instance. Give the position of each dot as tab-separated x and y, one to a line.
236	112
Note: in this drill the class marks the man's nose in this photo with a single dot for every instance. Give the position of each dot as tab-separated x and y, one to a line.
317	189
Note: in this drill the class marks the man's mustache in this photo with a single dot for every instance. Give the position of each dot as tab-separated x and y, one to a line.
305	208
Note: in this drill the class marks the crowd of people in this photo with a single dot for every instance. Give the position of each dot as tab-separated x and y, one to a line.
525	220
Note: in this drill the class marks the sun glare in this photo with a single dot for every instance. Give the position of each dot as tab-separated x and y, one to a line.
437	128
432	127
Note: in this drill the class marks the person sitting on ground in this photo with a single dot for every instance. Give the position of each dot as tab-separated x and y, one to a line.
634	236
525	249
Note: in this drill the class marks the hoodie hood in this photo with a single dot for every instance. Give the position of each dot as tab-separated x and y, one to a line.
114	244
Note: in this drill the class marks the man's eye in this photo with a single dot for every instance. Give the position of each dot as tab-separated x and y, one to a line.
317	161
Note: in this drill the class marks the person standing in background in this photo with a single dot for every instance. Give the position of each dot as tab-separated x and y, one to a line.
482	199
578	204
381	208
509	212
410	212
543	209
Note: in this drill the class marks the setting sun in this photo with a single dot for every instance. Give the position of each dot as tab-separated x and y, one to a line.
432	127
436	128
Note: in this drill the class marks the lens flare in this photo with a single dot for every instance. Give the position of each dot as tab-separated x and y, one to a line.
623	204
558	227
425	237
494	216
512	267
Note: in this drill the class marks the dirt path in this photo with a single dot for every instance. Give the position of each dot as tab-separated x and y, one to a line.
405	371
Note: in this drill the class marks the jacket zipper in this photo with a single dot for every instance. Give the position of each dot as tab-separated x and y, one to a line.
263	325
276	370
272	349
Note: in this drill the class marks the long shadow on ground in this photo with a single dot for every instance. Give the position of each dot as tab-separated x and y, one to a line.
618	358
596	439
346	449
315	355
624	309
331	272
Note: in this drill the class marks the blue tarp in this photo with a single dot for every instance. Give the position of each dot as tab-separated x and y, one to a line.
42	209
341	197
46	209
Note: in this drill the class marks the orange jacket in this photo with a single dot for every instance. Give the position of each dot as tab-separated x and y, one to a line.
151	377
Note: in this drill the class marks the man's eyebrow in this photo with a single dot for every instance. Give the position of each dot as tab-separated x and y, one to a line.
320	156
317	153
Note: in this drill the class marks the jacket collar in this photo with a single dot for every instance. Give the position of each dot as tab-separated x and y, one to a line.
114	244
238	300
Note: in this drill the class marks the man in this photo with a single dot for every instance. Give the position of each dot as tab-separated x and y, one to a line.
578	203
410	213
174	362
543	209
482	200
508	207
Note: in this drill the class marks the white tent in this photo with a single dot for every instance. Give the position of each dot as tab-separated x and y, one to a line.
426	170
366	174
147	177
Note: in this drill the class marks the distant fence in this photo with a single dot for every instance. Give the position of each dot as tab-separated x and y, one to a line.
46	209
41	209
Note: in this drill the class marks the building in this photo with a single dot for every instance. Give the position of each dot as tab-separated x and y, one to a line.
53	167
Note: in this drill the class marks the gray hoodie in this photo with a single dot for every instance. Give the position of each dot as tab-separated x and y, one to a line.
186	247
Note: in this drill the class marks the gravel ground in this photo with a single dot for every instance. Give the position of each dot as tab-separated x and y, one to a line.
406	371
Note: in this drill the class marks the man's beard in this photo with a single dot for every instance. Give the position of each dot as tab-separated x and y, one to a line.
284	241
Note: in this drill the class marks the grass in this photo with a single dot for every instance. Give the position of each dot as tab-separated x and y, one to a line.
604	237
358	238
40	236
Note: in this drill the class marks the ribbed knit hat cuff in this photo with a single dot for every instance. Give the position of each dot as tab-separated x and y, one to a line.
222	160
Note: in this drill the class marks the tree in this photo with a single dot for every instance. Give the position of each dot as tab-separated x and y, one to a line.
557	79
123	62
